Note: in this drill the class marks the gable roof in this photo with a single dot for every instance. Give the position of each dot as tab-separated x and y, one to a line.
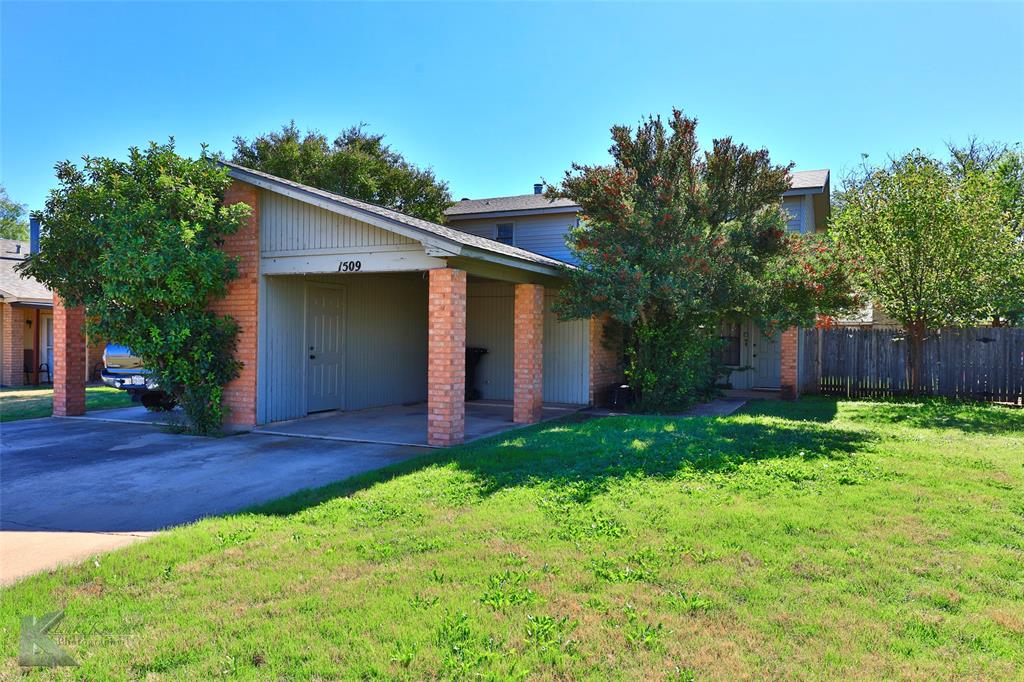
14	287
428	233
802	182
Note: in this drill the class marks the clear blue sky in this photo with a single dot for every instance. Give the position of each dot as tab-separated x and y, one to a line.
495	96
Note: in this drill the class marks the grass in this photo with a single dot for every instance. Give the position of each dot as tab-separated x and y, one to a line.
814	540
30	402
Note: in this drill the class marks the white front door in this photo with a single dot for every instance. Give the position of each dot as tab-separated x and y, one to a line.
325	348
765	358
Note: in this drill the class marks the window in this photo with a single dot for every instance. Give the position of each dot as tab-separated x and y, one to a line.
729	351
503	233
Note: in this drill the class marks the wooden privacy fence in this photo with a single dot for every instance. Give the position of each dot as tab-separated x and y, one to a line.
972	364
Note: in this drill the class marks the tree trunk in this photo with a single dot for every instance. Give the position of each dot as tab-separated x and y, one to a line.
915	335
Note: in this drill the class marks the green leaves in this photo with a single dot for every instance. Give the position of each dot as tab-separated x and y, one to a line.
137	243
673	240
356	164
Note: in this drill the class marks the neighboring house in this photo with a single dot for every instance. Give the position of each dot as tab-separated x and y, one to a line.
26	324
533	222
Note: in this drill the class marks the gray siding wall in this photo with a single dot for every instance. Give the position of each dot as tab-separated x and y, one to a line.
385	342
543	234
801	213
489	324
287	225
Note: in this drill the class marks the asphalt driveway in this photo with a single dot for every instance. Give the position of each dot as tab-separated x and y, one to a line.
113	480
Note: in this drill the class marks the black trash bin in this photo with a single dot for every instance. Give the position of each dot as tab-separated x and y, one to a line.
620	396
473	356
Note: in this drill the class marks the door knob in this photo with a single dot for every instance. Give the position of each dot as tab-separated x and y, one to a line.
312	357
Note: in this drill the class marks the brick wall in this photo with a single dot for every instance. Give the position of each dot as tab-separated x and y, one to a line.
528	344
446	357
12	373
605	360
93	354
68	360
789	383
242	304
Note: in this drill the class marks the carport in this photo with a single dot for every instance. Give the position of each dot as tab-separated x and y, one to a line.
354	311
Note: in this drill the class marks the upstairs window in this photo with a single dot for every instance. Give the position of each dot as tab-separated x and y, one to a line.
504	233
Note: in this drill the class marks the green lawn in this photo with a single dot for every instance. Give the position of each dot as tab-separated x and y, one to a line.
812	540
29	402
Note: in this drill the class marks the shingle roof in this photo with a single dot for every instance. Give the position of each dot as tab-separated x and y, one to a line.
447	233
520	202
812	179
12	284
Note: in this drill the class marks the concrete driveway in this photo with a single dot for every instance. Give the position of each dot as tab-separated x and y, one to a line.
72	487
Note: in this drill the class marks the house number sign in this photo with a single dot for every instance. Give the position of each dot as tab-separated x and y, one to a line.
350	266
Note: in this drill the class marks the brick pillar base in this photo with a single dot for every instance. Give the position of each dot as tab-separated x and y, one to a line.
68	360
789	374
13	371
528	376
446	357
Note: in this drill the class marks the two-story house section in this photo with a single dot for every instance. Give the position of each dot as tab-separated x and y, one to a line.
535	223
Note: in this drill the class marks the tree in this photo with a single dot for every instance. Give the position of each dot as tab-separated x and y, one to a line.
357	165
933	242
672	241
12	223
137	243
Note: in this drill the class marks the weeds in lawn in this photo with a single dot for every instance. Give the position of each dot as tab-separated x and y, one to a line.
507	590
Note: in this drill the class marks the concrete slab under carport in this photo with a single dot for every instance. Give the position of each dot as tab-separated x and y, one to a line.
404	424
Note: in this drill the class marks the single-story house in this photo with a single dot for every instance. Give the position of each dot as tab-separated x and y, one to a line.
26	324
344	305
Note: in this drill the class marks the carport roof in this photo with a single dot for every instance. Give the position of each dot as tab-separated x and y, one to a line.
475	246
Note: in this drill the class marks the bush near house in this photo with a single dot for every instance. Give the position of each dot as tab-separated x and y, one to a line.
673	240
808	540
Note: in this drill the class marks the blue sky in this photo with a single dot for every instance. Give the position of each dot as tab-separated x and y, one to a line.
495	96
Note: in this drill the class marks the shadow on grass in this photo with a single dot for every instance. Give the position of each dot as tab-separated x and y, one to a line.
585	455
942	413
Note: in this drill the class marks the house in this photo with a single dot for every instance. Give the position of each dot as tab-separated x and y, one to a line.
26	324
344	305
535	223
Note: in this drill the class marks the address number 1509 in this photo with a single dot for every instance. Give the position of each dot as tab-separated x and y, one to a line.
350	266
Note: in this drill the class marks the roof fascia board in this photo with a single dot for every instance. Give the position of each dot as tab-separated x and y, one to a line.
802	191
512	214
499	259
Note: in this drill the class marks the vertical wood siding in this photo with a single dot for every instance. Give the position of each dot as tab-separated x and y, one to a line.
290	225
385	343
489	324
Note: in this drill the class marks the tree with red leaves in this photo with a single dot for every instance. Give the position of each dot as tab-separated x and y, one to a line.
672	240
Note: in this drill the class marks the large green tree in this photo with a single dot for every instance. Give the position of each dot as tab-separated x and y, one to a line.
356	164
12	218
937	242
673	240
137	243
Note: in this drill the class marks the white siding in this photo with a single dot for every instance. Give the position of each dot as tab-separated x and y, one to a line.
543	234
385	343
287	225
794	206
489	324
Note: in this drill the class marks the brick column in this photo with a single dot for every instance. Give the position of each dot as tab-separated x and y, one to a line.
790	357
13	332
242	304
605	360
446	357
68	360
528	376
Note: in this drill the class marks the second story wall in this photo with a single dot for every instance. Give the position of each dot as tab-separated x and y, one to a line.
543	234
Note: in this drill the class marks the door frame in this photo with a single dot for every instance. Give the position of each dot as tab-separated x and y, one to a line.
305	339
